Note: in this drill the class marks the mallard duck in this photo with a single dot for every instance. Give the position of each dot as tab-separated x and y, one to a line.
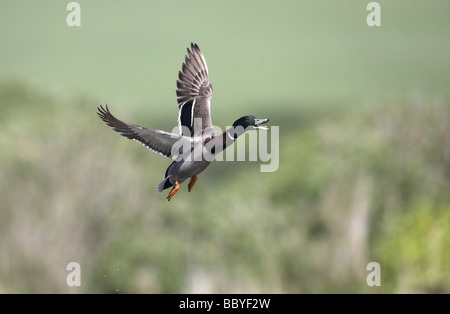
194	92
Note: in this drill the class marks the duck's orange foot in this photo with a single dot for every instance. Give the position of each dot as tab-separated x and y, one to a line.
191	183
174	190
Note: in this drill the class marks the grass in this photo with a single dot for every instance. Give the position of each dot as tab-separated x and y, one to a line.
290	55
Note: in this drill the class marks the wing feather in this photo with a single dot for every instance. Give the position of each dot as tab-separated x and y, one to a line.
194	89
156	140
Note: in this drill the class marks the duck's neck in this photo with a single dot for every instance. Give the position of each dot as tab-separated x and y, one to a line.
220	142
230	136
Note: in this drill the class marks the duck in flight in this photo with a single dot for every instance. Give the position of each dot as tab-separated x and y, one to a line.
197	135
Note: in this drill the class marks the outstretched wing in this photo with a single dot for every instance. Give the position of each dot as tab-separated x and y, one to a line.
194	91
157	141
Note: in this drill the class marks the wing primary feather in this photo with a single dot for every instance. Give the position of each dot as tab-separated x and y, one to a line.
157	141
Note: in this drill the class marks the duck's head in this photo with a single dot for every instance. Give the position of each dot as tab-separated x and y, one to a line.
250	123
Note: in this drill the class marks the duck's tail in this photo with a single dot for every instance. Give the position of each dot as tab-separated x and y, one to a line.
165	184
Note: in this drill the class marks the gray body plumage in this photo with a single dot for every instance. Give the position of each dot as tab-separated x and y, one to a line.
182	170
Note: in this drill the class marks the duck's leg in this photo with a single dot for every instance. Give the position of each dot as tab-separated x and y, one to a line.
175	189
191	183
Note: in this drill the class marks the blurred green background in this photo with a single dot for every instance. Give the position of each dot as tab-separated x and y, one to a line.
364	173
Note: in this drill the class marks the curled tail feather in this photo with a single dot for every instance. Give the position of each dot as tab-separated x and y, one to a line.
165	184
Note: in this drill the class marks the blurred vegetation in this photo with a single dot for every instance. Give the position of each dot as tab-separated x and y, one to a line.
362	184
